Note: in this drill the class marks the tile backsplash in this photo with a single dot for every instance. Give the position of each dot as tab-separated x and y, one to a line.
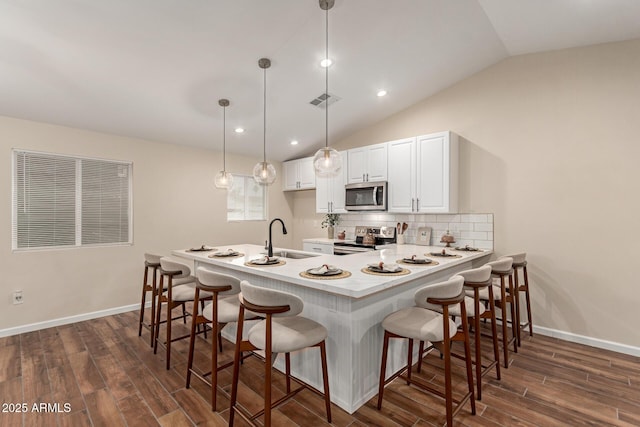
468	229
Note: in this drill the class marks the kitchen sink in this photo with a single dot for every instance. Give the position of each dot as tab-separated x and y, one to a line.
293	254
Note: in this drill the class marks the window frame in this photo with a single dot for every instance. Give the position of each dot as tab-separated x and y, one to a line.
265	200
15	152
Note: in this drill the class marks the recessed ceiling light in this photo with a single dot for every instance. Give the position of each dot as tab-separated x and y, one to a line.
239	130
382	93
326	63
294	142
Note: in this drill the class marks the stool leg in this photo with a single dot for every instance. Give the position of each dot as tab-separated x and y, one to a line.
409	361
528	299
383	367
268	359
494	330
448	392
158	314
420	356
515	325
236	366
325	380
214	351
503	309
516	298
287	359
154	296
467	358
169	310
476	321
192	341
143	300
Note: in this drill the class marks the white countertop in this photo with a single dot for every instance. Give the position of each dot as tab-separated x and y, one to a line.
358	285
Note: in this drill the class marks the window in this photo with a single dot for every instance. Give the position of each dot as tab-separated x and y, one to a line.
63	201
246	200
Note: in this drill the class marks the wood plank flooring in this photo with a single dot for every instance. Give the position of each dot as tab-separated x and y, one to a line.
108	376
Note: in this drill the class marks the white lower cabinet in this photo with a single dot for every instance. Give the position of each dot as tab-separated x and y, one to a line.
423	174
330	192
321	248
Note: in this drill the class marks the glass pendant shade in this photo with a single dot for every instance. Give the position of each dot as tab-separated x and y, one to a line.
264	173
327	162
224	180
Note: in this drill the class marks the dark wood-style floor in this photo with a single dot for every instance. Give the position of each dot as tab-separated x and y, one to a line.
109	376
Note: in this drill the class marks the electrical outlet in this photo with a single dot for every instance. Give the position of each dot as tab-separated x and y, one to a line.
17	297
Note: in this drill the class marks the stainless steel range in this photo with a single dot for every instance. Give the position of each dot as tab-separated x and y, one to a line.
367	239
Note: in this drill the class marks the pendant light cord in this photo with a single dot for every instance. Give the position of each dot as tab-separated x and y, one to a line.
264	128
326	84
224	141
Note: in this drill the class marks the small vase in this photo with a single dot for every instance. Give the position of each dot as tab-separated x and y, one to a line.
330	232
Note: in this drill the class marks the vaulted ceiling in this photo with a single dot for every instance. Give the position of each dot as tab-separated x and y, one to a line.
155	69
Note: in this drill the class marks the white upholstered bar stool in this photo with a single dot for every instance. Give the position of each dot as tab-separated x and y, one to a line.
477	282
224	308
500	270
151	263
282	331
520	263
430	321
180	289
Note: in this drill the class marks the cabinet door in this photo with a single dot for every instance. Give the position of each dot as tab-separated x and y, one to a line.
437	173
290	178
376	166
356	162
402	175
306	174
337	190
322	248
323	189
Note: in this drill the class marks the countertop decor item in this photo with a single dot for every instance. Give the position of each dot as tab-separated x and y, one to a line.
448	239
223	178
263	172
423	238
327	161
342	235
329	222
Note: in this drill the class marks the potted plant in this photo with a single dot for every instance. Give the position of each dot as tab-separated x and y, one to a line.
329	222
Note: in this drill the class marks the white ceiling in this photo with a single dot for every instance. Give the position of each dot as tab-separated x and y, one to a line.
155	69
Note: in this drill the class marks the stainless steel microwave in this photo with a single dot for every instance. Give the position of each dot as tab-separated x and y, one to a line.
366	196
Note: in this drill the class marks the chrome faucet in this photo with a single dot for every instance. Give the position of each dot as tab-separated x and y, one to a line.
284	231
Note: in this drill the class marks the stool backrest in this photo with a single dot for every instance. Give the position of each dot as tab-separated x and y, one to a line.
168	264
152	258
443	290
265	297
501	265
210	281
477	275
518	258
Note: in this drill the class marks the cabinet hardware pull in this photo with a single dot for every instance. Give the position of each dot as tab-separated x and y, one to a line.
412	200
417	205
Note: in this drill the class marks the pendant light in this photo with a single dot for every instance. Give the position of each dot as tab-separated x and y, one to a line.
224	179
327	161
263	172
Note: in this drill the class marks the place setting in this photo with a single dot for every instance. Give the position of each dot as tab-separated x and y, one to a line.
203	248
467	248
229	253
266	261
415	260
443	254
385	269
325	272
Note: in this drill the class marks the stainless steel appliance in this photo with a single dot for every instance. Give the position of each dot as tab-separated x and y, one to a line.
381	236
366	196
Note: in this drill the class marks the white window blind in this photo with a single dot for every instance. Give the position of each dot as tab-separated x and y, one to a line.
246	200
62	201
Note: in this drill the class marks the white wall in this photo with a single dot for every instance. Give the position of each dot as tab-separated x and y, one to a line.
550	146
175	205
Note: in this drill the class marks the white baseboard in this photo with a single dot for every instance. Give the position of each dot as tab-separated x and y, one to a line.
582	339
70	319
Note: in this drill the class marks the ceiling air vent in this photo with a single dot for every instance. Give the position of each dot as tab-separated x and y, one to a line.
325	99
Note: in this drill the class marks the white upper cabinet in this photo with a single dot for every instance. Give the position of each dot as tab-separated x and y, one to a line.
423	174
367	164
298	174
330	192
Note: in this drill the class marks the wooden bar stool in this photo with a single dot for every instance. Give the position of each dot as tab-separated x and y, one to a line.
430	321
151	262
500	270
477	282
520	263
223	309
283	331
180	289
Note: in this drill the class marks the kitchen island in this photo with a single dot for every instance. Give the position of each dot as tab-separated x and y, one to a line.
351	308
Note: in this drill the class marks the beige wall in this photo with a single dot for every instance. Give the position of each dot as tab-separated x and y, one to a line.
550	146
175	205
